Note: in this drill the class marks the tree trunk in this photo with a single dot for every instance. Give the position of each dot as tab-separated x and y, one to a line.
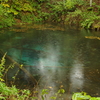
90	3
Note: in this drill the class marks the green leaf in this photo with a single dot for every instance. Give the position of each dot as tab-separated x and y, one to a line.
45	91
53	98
61	91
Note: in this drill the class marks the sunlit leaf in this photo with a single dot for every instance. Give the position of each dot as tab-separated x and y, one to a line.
6	5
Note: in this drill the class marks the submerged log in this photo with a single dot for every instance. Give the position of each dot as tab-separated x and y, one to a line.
34	81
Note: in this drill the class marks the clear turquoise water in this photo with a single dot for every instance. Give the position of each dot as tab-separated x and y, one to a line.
59	59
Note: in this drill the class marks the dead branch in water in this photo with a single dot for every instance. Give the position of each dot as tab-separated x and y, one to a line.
22	68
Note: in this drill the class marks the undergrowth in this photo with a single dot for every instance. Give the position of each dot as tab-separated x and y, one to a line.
10	93
77	12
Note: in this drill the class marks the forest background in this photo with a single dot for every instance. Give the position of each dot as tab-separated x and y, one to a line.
82	13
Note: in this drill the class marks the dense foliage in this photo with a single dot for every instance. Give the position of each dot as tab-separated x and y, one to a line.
78	12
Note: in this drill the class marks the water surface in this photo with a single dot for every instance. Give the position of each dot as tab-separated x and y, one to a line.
57	57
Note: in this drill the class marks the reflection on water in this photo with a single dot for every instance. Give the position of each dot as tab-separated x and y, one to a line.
52	55
58	59
77	76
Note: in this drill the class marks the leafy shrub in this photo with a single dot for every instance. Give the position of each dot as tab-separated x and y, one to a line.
70	5
45	15
58	8
87	23
88	18
7	21
72	17
27	17
41	1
